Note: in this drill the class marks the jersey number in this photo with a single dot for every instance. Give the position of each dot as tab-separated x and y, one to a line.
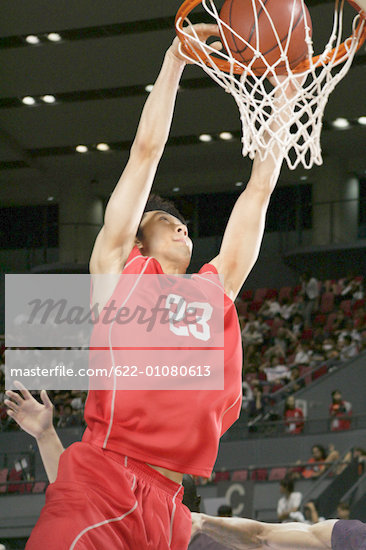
200	328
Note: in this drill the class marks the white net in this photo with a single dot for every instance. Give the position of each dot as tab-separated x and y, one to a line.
296	138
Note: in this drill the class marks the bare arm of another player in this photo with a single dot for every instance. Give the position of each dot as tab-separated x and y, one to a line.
247	534
36	419
126	205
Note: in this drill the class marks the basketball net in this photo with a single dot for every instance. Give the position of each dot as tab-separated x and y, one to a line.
264	109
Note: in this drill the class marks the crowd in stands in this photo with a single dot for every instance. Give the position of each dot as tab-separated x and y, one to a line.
294	335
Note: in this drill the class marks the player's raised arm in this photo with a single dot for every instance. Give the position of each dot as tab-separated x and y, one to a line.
128	200
244	231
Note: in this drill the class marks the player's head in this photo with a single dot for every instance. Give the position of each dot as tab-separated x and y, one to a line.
163	233
225	511
190	497
343	510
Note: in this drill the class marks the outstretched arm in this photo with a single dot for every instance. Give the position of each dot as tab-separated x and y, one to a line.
247	534
244	231
126	205
36	419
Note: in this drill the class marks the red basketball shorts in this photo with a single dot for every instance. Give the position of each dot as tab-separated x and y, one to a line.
102	500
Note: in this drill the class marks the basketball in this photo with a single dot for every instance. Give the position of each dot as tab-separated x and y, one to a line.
240	16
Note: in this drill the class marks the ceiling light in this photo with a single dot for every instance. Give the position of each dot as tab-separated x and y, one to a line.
50	198
341	123
205	138
28	100
81	148
176	189
32	39
103	147
48	98
226	136
303	178
54	37
239	184
149	88
362	120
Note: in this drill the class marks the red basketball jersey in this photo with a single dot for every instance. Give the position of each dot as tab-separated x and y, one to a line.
174	429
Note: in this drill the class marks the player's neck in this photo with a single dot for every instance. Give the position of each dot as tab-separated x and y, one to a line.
172	267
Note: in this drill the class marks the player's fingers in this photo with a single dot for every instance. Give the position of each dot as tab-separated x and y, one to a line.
11	413
14	396
26	394
216	45
46	400
204	30
11	405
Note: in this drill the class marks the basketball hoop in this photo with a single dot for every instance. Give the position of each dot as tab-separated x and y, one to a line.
257	103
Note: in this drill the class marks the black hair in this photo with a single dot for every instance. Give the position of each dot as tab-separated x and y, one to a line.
288	484
155	202
323	452
225	511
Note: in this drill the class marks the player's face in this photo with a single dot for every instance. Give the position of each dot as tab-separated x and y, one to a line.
166	238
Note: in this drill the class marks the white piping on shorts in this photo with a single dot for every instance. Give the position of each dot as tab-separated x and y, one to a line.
112	355
173	514
119	518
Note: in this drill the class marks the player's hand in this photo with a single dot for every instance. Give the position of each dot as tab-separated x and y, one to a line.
196	524
33	417
204	31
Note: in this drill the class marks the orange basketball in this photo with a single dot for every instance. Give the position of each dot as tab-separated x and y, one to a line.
240	16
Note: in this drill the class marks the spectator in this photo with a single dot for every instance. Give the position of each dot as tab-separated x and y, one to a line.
257	406
270	308
349	330
340	412
317	461
357	454
247	394
296	382
277	370
339	323
288	309
294	417
251	335
68	418
297	325
348	348
225	511
311	514
343	511
284	340
351	288
303	354
330	348
310	293
289	502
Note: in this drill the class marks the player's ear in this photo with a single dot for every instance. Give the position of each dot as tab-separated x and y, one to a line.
138	243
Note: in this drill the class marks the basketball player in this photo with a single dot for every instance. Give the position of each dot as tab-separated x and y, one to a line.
121	487
247	534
